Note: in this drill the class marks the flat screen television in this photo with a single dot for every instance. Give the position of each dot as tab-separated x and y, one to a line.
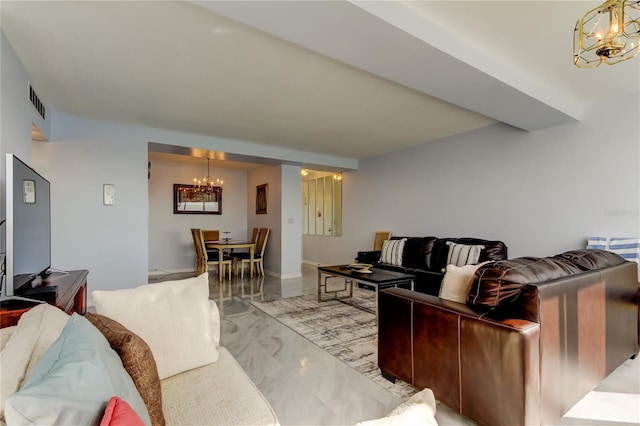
28	225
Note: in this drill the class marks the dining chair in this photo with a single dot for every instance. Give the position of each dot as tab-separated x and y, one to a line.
211	234
240	259
201	256
254	235
379	239
206	259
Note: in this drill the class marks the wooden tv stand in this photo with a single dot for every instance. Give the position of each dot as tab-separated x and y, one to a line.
71	296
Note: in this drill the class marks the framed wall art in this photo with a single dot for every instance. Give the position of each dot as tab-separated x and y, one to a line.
192	199
262	198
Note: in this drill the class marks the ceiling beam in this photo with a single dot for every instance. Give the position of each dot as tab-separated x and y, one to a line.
388	39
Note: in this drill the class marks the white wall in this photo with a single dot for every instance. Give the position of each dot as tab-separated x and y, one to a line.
16	116
110	241
170	243
291	222
15	113
541	192
272	176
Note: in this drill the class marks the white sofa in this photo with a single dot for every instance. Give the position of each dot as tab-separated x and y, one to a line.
199	381
218	392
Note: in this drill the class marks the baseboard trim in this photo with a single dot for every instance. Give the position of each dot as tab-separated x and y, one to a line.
153	272
283	276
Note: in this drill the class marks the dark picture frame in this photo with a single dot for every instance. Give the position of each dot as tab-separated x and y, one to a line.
192	199
262	198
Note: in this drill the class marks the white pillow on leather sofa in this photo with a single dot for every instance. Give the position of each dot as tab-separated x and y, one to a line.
457	281
173	317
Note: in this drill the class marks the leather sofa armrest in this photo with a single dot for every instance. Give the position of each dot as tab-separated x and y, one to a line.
466	358
371	256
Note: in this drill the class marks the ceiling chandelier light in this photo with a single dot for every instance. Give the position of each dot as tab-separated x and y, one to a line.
206	184
608	34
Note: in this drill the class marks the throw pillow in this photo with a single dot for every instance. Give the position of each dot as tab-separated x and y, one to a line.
457	282
37	329
137	359
73	381
462	254
172	317
419	410
392	252
119	413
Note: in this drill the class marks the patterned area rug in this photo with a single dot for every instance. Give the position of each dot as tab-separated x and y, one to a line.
346	332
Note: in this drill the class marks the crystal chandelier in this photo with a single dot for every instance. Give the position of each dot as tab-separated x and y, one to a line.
607	34
206	184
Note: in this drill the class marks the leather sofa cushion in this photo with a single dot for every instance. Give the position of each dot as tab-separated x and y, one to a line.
417	251
589	260
414	255
500	282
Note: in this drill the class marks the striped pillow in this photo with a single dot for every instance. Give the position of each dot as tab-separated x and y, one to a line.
628	248
462	254
392	252
601	243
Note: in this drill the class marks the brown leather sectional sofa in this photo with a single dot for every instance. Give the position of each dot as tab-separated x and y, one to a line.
536	335
425	257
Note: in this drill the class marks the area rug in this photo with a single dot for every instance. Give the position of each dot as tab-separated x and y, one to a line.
347	332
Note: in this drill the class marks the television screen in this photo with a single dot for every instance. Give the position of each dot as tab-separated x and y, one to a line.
28	224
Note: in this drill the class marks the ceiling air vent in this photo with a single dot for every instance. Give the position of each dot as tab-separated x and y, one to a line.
35	101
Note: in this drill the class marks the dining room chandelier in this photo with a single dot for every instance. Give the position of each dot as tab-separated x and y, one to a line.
206	184
608	34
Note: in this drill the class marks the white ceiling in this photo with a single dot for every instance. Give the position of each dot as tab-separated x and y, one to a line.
352	79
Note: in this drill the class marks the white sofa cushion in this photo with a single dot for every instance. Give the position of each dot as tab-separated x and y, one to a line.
37	329
219	393
173	317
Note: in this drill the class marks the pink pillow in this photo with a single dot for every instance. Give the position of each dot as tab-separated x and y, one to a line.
120	413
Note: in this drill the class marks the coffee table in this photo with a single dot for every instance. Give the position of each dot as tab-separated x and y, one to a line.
379	279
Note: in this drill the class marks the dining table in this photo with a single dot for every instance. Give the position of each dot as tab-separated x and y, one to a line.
224	244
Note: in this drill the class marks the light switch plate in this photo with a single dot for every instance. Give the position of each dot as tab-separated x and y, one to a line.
109	194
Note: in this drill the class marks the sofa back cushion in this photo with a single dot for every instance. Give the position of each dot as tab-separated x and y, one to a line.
591	259
417	251
173	317
500	282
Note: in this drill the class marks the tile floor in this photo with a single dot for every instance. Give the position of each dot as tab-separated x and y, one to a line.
307	386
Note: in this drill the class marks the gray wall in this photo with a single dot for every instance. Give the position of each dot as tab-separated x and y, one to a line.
541	192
